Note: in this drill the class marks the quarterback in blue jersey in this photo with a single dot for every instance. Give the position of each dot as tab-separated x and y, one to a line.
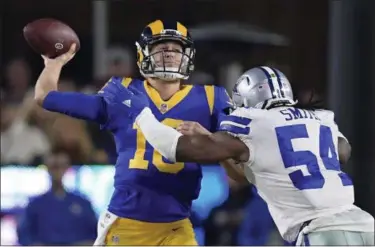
153	196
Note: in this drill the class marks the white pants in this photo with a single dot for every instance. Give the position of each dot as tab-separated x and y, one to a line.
352	227
105	222
338	238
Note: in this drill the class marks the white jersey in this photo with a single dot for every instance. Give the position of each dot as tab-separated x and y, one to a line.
294	165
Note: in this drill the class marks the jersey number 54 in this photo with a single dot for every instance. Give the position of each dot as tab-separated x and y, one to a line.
292	158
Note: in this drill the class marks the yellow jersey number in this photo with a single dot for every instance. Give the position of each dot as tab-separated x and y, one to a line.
139	162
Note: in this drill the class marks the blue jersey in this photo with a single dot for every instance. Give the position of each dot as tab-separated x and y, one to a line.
149	187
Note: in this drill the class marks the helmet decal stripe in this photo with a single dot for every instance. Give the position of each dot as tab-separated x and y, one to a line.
182	29
156	27
270	83
274	80
279	81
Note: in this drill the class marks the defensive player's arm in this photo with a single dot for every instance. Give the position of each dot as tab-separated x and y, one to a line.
211	149
344	150
343	146
74	104
198	148
234	170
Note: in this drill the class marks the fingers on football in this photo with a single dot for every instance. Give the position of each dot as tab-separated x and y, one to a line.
70	54
72	49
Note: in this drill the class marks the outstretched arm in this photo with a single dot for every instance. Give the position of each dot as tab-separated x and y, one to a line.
48	79
199	148
74	104
77	105
218	147
210	149
233	169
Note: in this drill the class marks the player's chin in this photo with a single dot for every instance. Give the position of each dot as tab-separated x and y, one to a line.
167	64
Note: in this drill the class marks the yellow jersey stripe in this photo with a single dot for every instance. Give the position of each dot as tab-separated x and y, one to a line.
126	81
210	94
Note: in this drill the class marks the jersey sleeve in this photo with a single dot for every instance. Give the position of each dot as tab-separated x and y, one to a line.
77	105
238	124
221	102
113	119
84	106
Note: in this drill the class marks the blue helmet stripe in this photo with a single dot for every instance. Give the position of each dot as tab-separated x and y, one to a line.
279	81
273	92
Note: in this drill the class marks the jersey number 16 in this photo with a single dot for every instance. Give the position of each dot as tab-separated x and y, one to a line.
139	162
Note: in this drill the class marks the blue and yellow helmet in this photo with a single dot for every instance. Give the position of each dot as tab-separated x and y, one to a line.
161	31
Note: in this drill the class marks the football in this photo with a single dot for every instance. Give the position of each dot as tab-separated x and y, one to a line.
50	37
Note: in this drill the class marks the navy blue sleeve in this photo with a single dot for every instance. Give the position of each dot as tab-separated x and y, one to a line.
77	105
